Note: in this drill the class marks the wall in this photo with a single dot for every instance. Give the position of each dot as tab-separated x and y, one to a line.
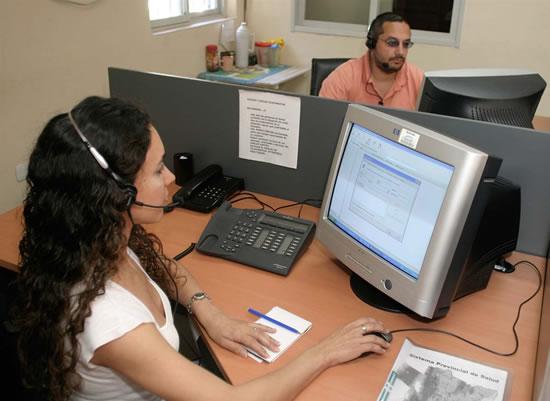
495	33
53	54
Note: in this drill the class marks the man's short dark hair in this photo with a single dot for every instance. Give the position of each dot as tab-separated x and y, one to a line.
376	27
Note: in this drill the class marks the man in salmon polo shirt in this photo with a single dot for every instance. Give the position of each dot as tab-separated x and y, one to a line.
382	75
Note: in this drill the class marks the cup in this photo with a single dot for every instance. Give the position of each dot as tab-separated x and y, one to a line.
274	56
262	53
227	60
268	54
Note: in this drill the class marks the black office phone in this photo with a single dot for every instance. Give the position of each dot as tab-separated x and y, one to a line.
207	189
266	240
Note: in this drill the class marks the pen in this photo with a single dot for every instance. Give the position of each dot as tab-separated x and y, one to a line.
274	321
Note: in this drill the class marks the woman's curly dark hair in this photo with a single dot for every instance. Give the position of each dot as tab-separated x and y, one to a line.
74	235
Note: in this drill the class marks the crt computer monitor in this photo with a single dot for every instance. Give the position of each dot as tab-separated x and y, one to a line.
503	96
401	208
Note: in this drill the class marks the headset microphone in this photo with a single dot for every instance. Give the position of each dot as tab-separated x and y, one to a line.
167	208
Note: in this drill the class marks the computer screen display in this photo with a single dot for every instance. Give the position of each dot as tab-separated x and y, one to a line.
503	96
401	209
387	197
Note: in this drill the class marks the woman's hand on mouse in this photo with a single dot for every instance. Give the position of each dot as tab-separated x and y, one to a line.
351	341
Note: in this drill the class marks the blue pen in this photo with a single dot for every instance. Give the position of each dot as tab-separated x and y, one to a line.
274	321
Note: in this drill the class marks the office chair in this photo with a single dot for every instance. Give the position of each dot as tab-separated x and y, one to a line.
320	69
12	384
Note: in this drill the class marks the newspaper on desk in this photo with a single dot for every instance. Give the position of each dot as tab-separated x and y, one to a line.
421	374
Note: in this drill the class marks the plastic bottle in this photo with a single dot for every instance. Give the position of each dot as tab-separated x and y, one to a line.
243	43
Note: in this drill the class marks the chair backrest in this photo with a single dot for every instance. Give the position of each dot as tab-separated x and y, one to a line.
11	376
320	69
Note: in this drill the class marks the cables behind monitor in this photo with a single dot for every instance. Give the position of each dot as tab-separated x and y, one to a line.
516	338
242	195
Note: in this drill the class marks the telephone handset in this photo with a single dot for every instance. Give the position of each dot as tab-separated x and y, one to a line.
207	189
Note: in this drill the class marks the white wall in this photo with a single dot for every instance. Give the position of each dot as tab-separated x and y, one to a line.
495	33
53	54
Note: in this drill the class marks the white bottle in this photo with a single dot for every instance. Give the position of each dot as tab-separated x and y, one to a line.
243	43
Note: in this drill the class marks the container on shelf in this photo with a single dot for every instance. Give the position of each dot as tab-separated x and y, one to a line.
244	39
262	52
227	59
268	54
212	60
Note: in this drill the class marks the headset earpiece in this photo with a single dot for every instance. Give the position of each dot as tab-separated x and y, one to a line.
130	192
371	39
371	42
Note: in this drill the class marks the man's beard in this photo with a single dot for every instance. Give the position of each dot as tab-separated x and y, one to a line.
387	68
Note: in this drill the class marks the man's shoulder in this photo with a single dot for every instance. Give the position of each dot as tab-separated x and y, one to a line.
343	78
350	68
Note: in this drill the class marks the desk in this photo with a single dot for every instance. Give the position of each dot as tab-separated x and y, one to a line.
318	290
541	123
264	77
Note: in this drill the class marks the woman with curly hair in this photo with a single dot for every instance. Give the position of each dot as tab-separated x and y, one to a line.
93	317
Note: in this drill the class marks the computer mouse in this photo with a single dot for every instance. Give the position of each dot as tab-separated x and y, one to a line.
385	336
388	337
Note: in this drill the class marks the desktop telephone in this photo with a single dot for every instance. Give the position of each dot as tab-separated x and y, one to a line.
207	189
266	240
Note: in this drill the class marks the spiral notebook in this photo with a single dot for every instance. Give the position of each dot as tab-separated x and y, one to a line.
285	337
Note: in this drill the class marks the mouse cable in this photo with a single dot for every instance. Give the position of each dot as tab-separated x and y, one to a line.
516	339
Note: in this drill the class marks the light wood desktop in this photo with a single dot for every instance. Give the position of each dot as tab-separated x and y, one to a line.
318	290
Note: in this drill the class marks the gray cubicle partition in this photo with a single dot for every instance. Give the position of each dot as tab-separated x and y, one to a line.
202	117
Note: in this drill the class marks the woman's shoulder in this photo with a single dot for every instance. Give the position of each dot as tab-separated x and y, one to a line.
113	314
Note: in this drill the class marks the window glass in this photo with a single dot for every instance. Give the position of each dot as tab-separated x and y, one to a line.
174	13
161	9
199	6
350	12
432	21
425	15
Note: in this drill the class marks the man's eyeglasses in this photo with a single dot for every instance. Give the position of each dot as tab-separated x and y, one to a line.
392	42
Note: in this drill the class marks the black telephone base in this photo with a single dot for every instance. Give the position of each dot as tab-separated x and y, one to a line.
210	195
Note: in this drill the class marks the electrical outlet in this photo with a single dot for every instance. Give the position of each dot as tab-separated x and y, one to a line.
21	171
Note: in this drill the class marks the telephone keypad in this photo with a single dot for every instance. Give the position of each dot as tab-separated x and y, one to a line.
210	192
256	236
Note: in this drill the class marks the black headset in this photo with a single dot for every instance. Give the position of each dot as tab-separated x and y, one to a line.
127	188
372	36
371	40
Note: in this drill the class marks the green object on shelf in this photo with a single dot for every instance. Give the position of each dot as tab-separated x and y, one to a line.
243	76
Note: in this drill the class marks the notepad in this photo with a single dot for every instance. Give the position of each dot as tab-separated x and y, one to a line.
285	337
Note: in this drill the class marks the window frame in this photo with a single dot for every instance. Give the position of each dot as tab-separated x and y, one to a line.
189	19
451	39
